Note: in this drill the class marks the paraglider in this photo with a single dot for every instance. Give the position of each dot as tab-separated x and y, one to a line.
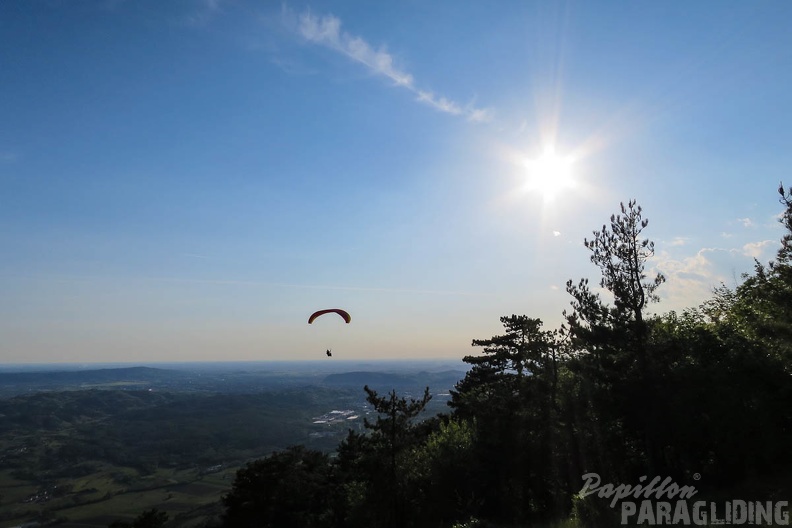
343	313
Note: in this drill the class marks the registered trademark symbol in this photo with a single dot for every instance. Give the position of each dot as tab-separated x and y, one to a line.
696	476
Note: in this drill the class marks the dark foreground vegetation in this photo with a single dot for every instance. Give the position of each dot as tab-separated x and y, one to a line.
703	398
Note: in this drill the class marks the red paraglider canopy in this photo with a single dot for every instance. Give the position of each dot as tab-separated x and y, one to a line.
339	311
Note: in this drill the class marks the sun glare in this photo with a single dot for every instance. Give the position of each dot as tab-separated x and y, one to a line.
549	174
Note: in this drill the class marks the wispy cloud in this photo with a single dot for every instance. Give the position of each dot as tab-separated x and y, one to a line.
440	103
758	249
679	241
692	278
203	12
326	31
768	222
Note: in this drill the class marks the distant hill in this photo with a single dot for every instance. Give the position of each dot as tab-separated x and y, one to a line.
106	375
386	381
238	379
13	383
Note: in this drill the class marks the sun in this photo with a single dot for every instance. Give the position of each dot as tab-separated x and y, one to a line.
549	174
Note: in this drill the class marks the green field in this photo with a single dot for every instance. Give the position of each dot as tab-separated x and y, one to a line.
116	493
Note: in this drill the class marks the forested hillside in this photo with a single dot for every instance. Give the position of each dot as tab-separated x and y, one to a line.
87	455
172	438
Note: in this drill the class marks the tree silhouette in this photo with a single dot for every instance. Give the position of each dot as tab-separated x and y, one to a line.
391	435
510	396
148	519
614	339
288	488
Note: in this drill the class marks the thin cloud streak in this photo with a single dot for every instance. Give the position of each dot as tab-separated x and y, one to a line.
231	282
326	31
235	282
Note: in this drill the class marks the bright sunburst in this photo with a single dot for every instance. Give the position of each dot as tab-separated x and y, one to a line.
549	174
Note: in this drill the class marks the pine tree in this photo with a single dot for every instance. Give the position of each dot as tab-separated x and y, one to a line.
510	395
385	451
612	341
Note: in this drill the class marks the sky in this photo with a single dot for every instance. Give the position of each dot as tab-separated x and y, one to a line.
190	180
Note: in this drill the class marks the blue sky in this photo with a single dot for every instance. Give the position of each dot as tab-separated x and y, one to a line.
190	180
